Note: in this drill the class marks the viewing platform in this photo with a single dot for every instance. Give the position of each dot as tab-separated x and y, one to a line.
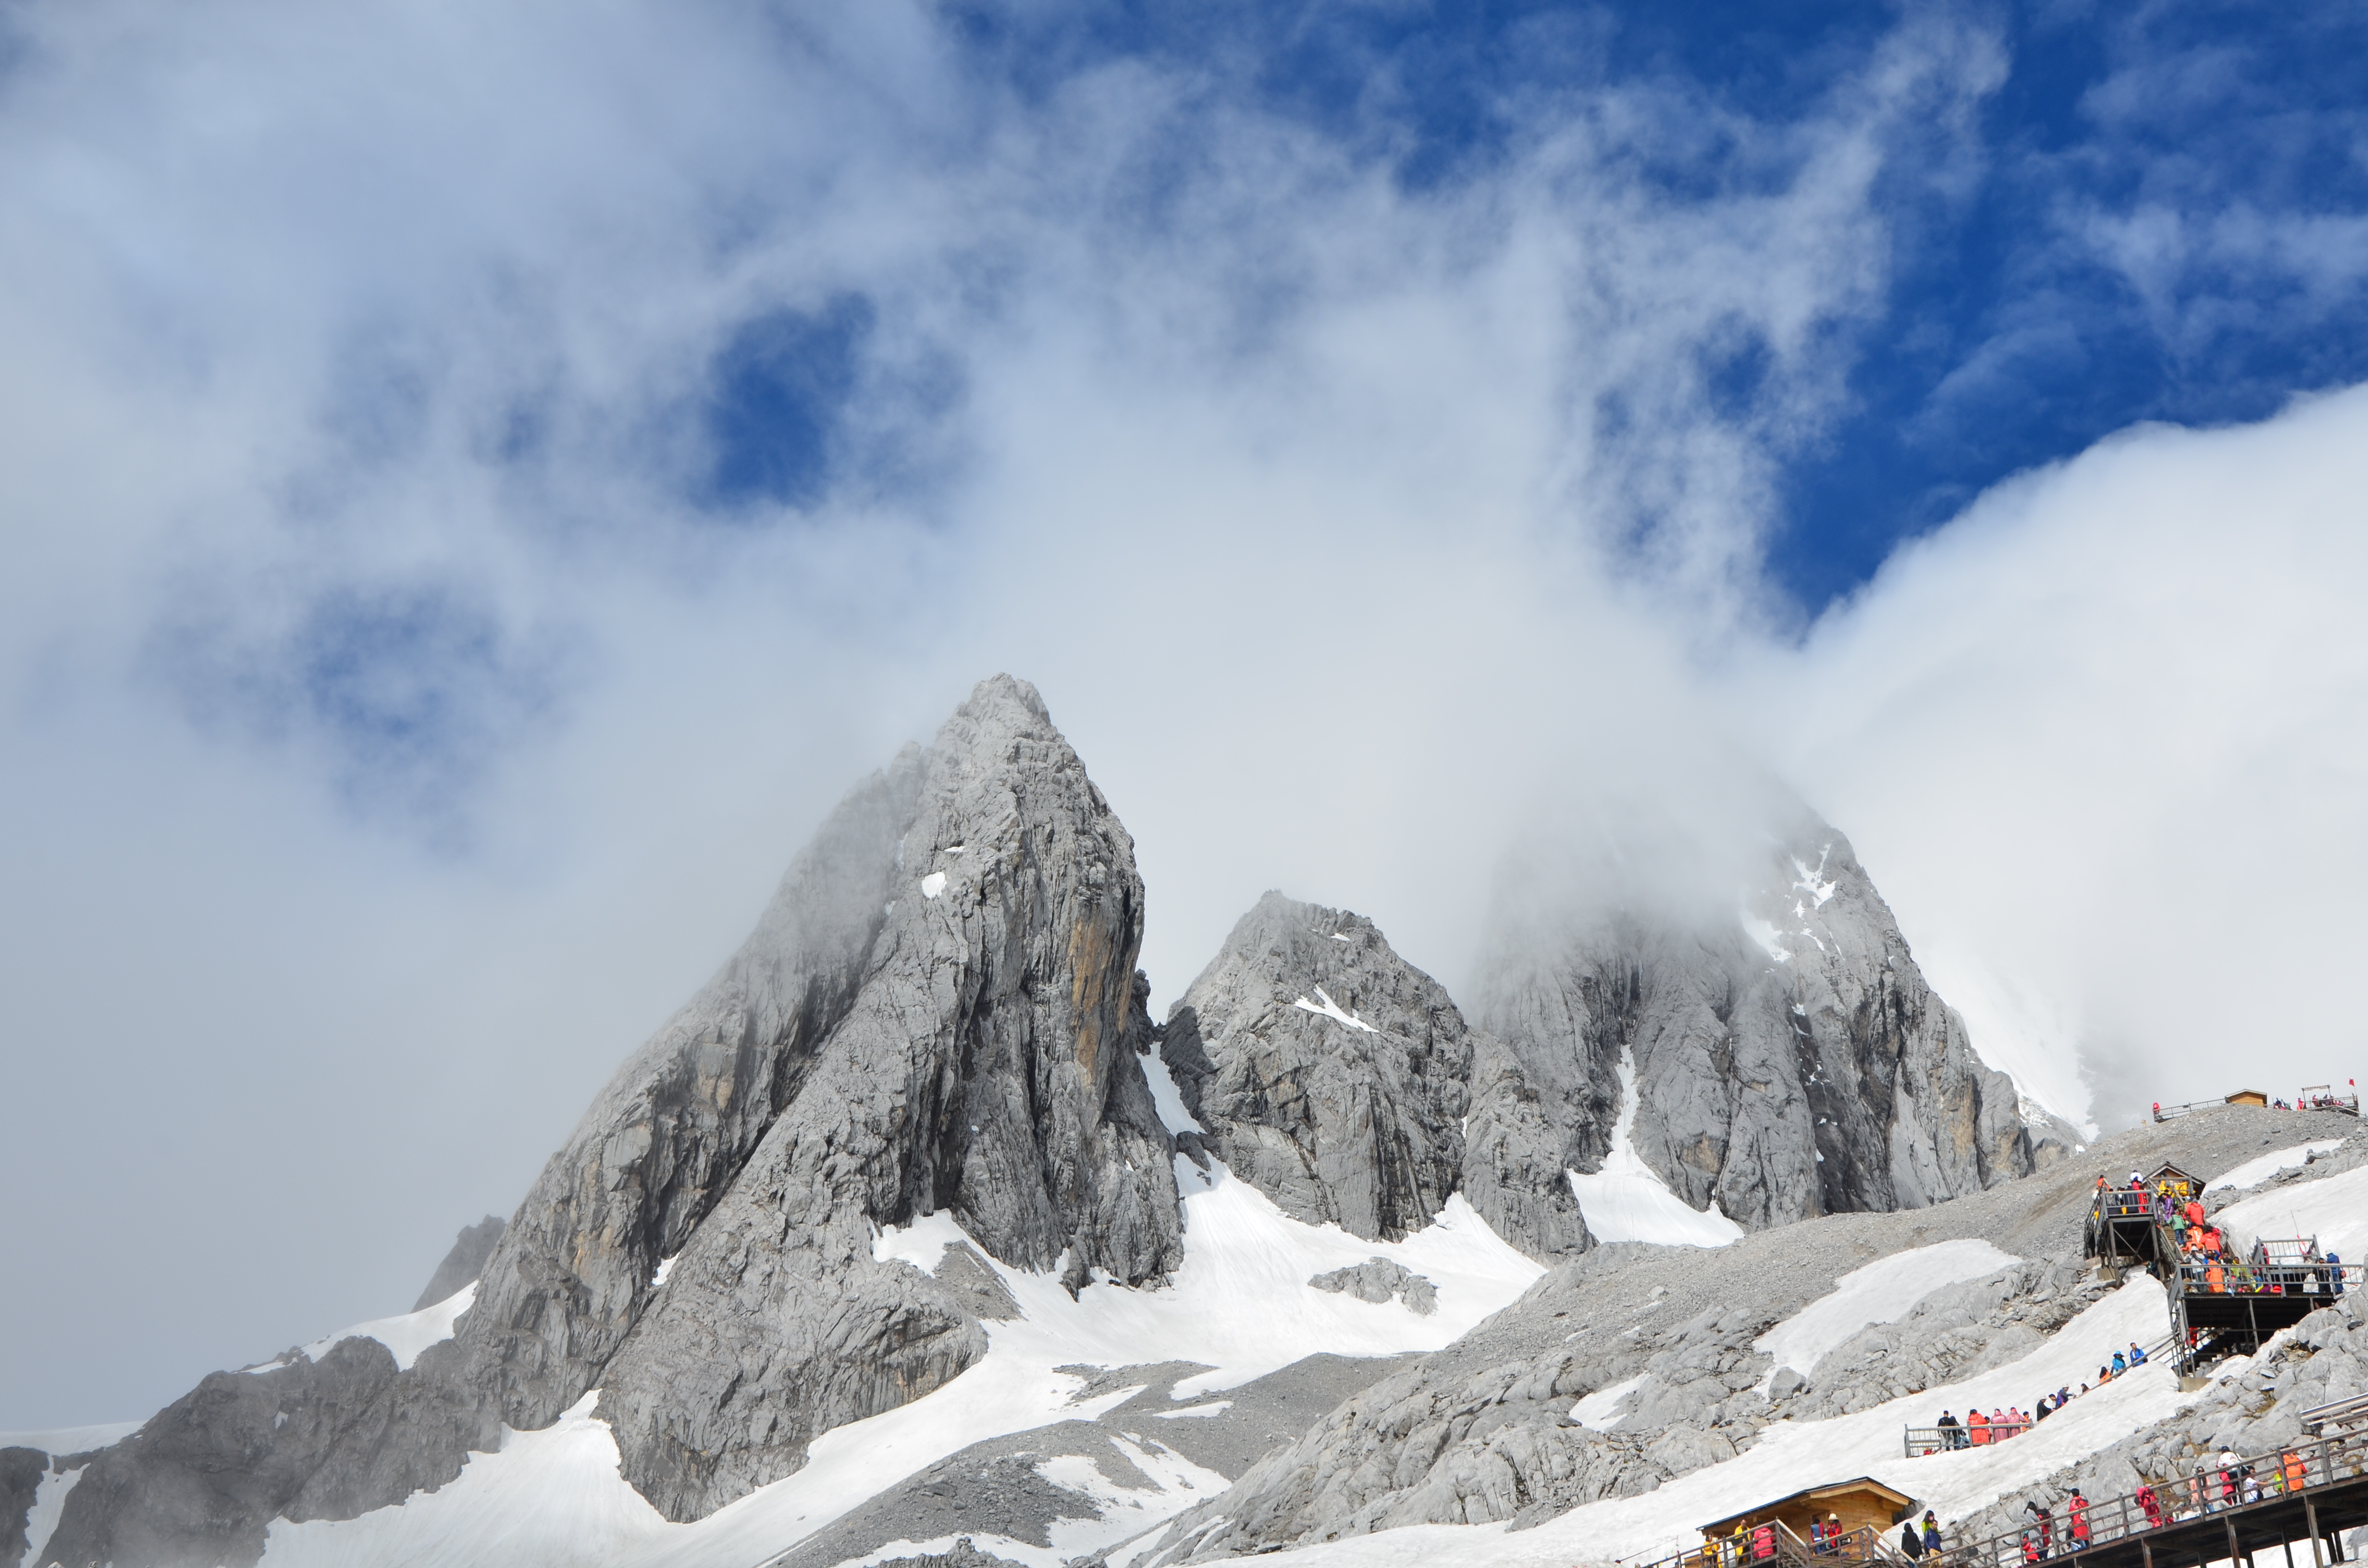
2311	1494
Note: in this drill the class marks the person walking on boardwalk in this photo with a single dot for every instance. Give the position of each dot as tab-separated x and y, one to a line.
2150	1505
1977	1428
1931	1533
2079	1508
1952	1435
1911	1545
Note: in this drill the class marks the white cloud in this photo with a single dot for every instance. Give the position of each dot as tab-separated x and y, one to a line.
2103	742
1208	427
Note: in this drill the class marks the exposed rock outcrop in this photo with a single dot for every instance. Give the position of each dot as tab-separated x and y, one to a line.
938	1011
20	1480
1337	1079
1788	1058
1378	1280
981	1066
306	1439
465	1262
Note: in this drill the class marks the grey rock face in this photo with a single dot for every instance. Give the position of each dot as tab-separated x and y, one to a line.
982	1067
1378	1281
307	1440
962	1554
1790	1060
682	1116
937	1010
1335	1077
465	1262
21	1471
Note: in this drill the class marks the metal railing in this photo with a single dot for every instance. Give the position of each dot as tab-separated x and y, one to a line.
1921	1440
2300	1469
1917	1441
2314	1098
2254	1276
2123	1203
2339	1414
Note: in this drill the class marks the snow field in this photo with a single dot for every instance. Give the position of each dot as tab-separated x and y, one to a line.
548	1499
1884	1291
1601	1410
407	1336
1790	1455
49	1507
2334	1210
1628	1201
2252	1173
70	1439
1241	1304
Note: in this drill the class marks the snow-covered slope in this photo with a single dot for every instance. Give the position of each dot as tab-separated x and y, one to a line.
2334	1210
1884	1291
2252	1173
1240	1306
1626	1200
404	1336
1791	1455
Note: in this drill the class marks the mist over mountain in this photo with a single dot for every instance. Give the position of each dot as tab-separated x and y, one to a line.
938	1028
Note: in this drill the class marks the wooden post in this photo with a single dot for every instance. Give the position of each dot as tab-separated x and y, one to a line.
2310	1517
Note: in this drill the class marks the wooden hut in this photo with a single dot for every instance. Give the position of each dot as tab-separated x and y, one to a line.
2248	1096
1862	1503
2178	1183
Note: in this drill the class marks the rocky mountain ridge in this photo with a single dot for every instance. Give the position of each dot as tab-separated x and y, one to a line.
940	1013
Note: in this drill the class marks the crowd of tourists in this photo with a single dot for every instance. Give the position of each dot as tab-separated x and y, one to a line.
2207	1262
2009	1421
2226	1482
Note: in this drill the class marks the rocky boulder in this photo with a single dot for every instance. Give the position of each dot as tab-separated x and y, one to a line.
1339	1080
464	1263
1787	1058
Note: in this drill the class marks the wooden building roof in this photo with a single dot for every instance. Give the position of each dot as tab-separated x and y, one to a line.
1862	1501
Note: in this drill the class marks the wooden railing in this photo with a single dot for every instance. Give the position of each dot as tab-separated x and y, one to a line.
1775	1546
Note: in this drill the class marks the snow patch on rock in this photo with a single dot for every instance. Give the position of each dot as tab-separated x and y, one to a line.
2252	1173
1628	1201
407	1336
1331	1009
2334	1210
1884	1291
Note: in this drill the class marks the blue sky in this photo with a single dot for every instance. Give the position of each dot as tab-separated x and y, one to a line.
2156	215
480	481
